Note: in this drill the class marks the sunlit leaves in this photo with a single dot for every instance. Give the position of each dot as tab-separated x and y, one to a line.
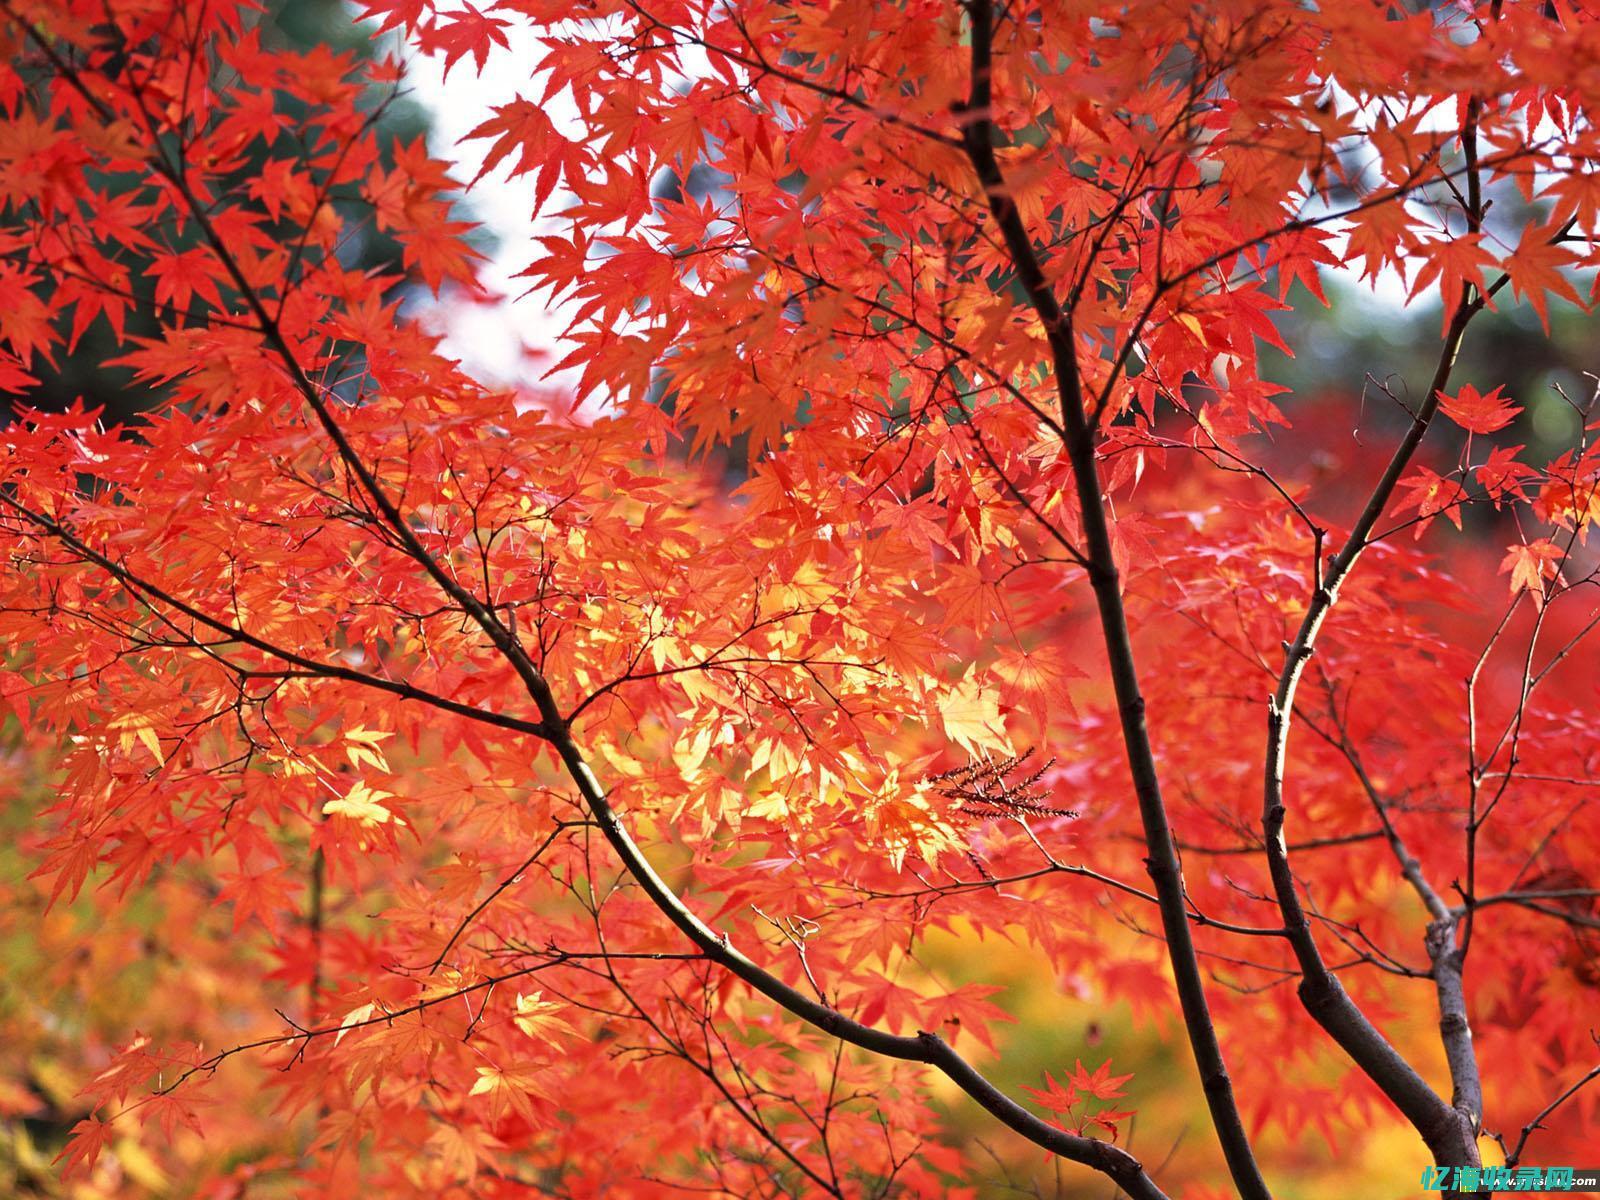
362	805
136	729
971	715
1530	564
509	1090
354	1019
363	748
541	1019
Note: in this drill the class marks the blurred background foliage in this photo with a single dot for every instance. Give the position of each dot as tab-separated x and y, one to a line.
1361	341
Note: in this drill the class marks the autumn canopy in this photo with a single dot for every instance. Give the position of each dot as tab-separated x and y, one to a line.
925	697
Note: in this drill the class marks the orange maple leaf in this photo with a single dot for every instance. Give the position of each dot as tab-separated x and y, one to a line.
1530	564
89	1137
1535	269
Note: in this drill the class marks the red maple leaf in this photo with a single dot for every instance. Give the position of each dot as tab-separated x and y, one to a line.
1479	412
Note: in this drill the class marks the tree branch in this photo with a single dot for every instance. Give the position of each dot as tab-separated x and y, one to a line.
1449	1132
1166	872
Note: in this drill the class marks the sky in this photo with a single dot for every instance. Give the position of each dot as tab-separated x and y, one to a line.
489	338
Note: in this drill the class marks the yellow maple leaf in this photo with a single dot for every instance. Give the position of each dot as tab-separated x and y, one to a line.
361	804
512	1089
136	727
354	1017
971	715
364	748
541	1019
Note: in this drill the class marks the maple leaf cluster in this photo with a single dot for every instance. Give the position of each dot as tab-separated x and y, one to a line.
427	779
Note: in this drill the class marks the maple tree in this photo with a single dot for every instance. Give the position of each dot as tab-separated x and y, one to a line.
444	775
